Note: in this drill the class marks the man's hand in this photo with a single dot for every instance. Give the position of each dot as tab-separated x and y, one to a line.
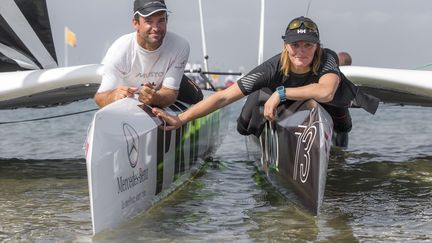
161	98
147	94
105	98
123	92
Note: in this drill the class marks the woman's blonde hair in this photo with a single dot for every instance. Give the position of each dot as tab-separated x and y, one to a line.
285	61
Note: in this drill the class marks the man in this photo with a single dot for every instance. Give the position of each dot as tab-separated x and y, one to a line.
344	59
149	62
343	117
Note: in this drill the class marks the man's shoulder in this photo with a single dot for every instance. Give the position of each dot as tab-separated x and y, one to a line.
120	48
125	39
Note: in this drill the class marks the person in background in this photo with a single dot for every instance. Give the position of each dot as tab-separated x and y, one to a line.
229	80
342	115
302	71
149	61
344	59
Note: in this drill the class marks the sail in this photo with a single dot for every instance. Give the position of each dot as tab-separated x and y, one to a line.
26	41
34	42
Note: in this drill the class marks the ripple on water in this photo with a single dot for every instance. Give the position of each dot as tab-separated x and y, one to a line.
43	200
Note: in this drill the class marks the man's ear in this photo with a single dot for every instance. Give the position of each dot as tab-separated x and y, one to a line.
135	24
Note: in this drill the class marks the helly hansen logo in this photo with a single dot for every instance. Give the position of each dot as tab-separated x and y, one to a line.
301	31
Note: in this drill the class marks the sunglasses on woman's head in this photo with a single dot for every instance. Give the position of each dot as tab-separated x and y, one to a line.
295	24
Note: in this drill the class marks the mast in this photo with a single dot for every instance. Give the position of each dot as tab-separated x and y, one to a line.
203	37
261	35
66	57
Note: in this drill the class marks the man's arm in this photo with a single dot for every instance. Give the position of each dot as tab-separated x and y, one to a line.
160	98
105	98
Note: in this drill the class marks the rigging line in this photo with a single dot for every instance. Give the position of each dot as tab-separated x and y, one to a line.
424	66
308	7
49	117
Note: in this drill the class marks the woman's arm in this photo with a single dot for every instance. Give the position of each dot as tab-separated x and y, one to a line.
323	92
204	107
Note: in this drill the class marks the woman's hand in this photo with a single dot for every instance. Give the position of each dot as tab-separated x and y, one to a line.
270	107
173	122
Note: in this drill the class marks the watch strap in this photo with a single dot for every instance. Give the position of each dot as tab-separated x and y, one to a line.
281	93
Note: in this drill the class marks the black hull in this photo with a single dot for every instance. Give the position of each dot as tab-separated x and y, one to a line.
295	151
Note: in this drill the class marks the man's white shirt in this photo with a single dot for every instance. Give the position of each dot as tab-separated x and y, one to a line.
127	63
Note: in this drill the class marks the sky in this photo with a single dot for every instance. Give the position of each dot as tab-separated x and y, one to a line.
378	33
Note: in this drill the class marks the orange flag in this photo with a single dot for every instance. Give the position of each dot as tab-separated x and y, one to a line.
70	37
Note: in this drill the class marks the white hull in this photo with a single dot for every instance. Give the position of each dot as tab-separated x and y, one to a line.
400	86
132	163
40	87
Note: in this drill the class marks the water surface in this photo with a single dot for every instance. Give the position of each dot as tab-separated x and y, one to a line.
379	189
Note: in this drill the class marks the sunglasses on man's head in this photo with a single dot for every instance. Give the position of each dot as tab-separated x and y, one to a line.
295	24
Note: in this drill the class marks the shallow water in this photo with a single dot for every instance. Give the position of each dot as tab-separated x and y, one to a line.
379	189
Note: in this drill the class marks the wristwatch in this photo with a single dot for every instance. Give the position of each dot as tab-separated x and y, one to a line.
281	93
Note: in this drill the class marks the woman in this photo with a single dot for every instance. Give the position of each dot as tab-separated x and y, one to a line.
302	71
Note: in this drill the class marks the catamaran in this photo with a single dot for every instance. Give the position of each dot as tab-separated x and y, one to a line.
132	163
125	178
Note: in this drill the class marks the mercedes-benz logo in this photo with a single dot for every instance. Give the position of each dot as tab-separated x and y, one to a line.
132	144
